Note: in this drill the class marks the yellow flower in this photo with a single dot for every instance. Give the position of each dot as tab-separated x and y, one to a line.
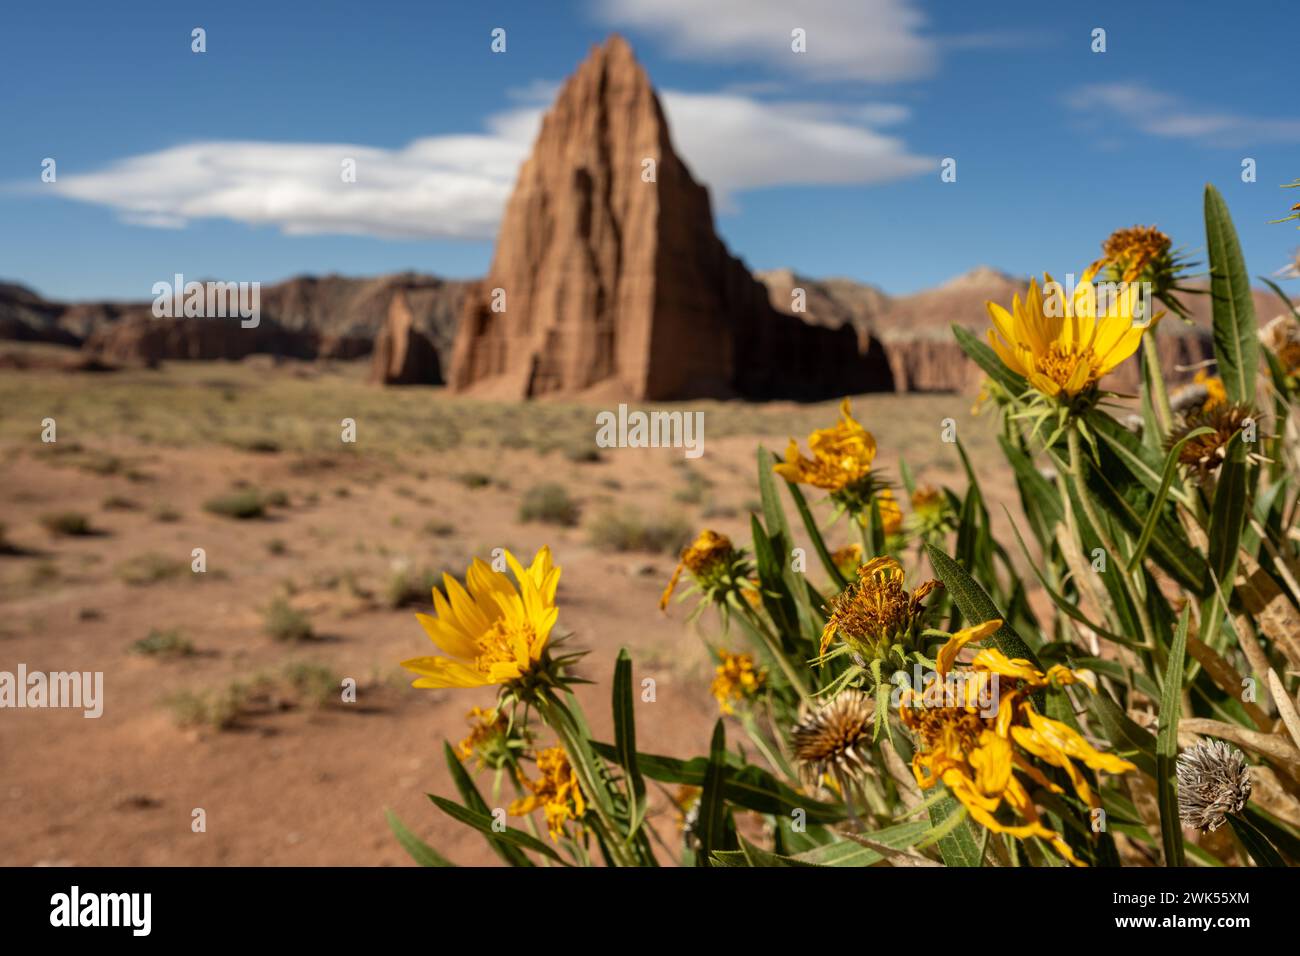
556	792
737	680
983	758
491	632
708	558
486	727
847	559
1133	251
1216	393
891	516
875	612
1062	346
841	455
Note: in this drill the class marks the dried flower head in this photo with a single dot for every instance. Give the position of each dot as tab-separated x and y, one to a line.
834	739
1213	781
876	614
736	680
1204	453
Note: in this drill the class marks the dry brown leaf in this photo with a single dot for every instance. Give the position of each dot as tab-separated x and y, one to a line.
1274	747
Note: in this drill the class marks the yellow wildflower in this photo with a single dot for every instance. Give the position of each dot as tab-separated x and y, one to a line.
982	757
708	558
491	631
891	516
556	792
1133	251
486	727
847	559
876	612
841	455
1216	393
1061	346
737	679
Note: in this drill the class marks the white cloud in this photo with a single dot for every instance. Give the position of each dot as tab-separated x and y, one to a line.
1161	114
456	186
871	40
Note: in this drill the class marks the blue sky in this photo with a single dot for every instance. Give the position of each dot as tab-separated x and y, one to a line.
224	163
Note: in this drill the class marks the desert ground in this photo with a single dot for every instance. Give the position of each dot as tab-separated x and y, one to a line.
222	687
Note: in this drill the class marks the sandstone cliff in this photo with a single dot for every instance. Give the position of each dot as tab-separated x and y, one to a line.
609	279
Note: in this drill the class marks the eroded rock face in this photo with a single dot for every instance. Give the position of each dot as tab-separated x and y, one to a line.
141	339
403	355
608	278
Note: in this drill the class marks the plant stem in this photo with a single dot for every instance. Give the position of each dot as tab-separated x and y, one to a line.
772	644
1094	519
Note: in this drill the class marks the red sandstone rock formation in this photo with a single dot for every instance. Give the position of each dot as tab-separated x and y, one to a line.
403	355
608	277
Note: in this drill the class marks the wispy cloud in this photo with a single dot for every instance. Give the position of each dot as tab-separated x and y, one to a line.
456	186
1156	113
871	40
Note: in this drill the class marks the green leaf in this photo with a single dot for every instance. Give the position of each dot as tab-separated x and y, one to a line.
1254	842
744	785
1227	515
984	356
420	851
1131	741
483	824
713	805
959	844
625	739
898	837
976	606
1166	479
1236	330
1171	705
472	799
815	535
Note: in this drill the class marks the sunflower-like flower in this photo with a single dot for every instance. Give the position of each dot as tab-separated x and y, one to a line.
490	740
834	740
983	755
1062	346
556	792
875	615
715	565
847	559
841	461
1282	337
1215	391
1213	781
891	516
1203	453
736	680
1144	254
931	514
491	631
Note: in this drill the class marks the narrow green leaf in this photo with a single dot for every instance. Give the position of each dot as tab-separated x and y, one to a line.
898	837
1236	329
1131	740
815	535
1228	514
1171	705
1166	479
976	606
625	740
420	851
1255	843
959	843
483	824
469	794
713	806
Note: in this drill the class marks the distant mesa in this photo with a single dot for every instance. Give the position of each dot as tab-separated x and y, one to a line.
403	355
609	280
